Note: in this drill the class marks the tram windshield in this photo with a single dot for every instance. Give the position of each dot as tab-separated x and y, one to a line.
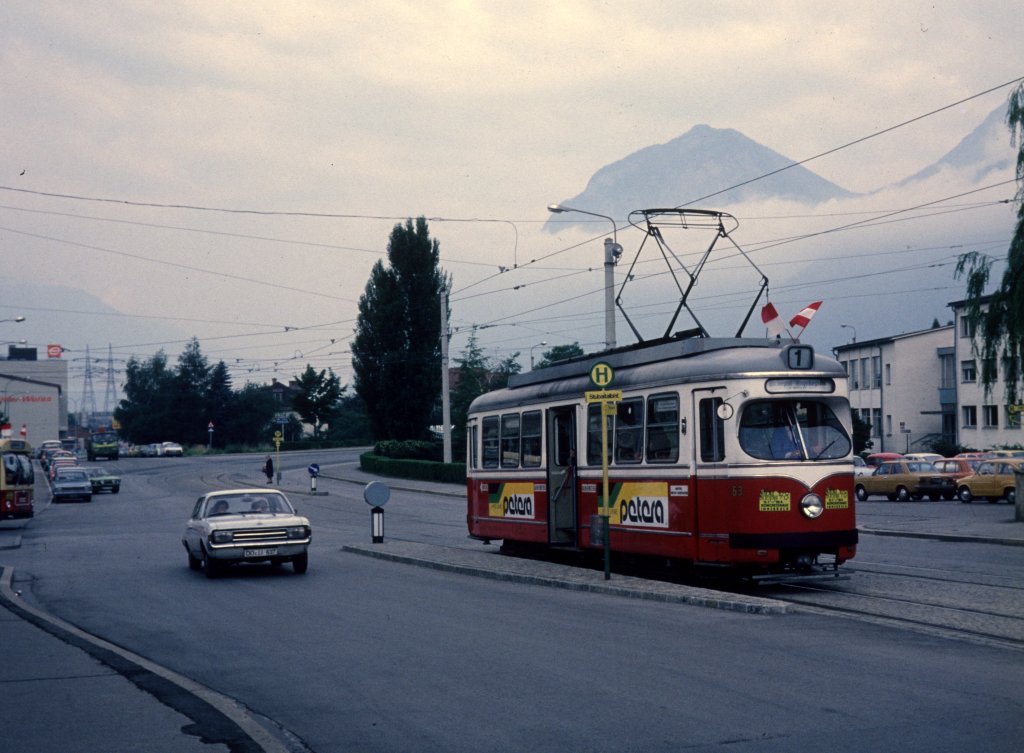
792	429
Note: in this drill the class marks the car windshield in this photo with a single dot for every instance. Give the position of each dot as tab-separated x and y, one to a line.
792	429
244	504
75	475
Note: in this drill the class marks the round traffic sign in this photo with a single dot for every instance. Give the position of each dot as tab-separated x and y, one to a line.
376	494
314	469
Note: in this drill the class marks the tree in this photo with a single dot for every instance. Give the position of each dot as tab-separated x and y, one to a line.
998	319
396	352
218	402
559	353
252	413
318	396
475	376
146	413
192	386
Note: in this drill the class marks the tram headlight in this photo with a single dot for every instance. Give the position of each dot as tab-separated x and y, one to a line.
811	506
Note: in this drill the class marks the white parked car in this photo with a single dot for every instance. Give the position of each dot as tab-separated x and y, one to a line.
245	525
171	450
861	468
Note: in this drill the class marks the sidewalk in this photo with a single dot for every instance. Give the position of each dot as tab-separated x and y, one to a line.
58	679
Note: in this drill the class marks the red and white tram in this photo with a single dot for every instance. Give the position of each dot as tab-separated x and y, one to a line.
722	451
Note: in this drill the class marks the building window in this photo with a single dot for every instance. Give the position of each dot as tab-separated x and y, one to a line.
970	416
968	372
865	373
888	426
990	414
854	376
876	422
1012	417
876	371
966	328
888	373
948	369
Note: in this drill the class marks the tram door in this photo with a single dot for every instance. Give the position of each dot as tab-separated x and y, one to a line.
711	478
561	451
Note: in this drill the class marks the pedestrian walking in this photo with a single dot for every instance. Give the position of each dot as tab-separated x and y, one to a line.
268	469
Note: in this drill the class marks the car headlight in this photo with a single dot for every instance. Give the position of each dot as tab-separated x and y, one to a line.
298	532
811	506
221	537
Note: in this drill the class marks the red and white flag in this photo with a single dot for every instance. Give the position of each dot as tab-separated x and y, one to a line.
803	318
771	320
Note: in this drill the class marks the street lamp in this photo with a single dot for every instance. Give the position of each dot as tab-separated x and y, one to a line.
538	345
850	326
612	252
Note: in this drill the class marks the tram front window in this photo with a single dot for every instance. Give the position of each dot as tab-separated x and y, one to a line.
792	429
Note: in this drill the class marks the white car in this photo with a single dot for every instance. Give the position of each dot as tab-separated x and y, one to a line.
171	450
245	525
861	468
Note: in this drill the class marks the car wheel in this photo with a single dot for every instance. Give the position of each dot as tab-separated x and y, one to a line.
211	566
861	493
300	563
194	563
902	495
1011	496
964	494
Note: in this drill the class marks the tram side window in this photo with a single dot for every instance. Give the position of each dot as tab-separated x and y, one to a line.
491	432
663	428
594	434
510	432
531	439
474	451
712	431
629	431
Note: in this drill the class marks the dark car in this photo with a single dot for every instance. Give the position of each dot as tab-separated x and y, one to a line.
103	481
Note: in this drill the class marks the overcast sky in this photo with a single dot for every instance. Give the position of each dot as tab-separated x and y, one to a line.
287	139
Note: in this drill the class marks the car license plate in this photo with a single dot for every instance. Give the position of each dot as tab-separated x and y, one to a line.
265	552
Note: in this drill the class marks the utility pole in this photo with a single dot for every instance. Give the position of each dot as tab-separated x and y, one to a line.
446	403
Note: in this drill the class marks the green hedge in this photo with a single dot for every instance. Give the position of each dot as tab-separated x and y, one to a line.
422	470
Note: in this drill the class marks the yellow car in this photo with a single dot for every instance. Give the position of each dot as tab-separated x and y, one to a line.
993	480
905	479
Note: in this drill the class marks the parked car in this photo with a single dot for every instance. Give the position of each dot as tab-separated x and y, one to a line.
151	450
926	457
957	467
860	467
993	480
71	483
51	445
57	463
171	450
245	525
103	481
1003	454
875	459
905	479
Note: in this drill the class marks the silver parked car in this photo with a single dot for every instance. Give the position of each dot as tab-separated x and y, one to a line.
71	482
245	525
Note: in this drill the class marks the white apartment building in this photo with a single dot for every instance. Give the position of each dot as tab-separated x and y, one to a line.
901	386
984	421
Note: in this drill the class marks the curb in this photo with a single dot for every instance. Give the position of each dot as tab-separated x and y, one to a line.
584	580
959	537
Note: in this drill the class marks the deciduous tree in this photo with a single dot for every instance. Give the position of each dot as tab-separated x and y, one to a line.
998	319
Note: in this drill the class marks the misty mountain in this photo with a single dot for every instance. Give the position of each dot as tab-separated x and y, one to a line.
702	161
984	150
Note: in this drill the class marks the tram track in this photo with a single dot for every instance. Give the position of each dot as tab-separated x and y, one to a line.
989	615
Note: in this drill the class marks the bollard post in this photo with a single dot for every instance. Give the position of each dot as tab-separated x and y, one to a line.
376	495
377	525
